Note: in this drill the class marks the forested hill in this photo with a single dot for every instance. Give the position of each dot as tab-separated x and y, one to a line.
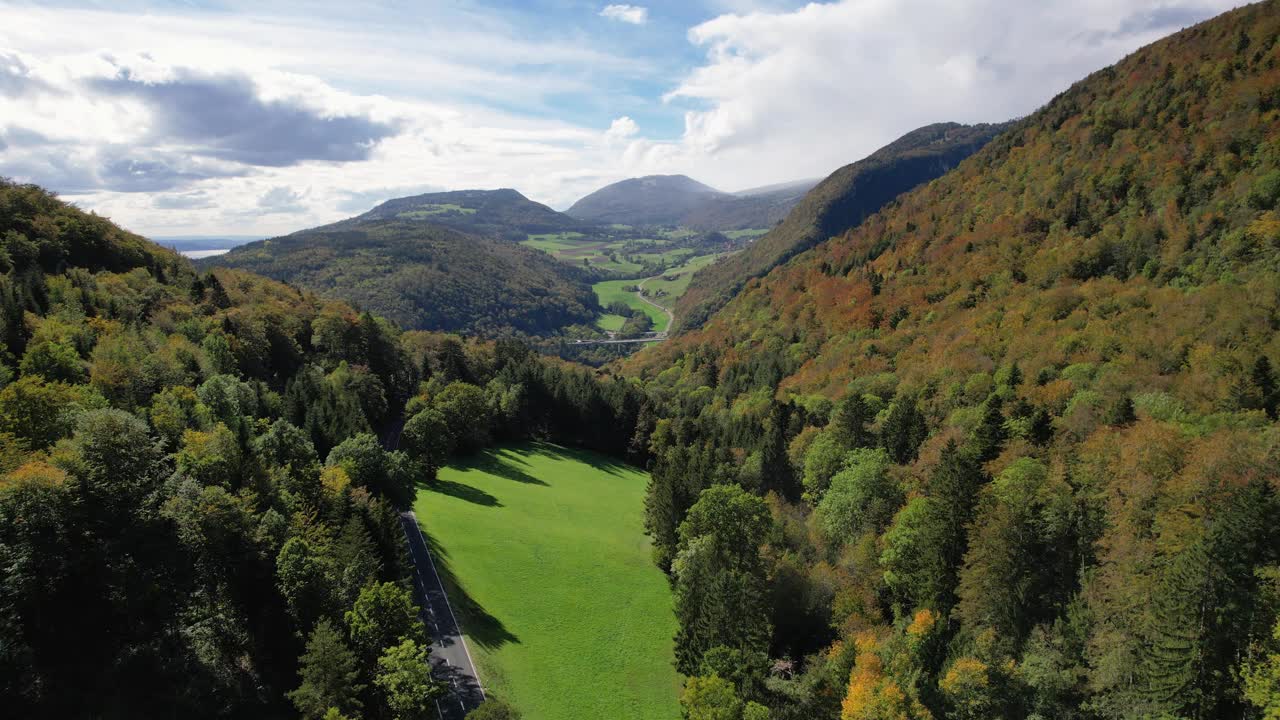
839	202
1017	433
197	518
649	200
504	214
756	208
426	276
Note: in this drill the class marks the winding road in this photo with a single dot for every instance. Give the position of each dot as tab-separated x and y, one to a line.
671	319
450	660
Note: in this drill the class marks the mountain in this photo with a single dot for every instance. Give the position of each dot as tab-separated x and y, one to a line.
1012	444
756	208
840	201
651	200
401	261
504	214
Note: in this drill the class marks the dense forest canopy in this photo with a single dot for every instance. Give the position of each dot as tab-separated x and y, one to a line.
426	276
841	201
1009	447
197	515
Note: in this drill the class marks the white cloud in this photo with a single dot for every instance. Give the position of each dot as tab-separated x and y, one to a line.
799	93
621	129
779	95
634	14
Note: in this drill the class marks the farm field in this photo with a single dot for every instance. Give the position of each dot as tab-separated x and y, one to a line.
543	553
672	289
612	290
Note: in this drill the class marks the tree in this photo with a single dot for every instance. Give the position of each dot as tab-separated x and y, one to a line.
861	498
404	678
330	675
369	465
55	362
304	574
427	439
849	423
720	582
904	430
709	698
381	617
1268	387
466	413
1262	679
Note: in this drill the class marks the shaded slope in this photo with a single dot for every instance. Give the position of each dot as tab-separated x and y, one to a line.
757	208
842	200
426	277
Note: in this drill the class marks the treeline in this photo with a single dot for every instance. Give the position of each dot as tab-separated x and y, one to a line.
198	506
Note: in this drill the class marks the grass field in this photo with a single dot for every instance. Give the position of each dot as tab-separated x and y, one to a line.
675	288
547	567
611	290
426	211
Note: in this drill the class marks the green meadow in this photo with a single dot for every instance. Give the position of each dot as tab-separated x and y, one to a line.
543	553
611	290
676	287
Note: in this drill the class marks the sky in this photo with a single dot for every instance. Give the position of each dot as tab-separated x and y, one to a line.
206	117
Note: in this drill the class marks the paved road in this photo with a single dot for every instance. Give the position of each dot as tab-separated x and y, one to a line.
450	659
671	319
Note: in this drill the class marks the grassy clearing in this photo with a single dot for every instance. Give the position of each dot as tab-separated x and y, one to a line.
612	323
426	211
675	288
548	569
611	290
749	232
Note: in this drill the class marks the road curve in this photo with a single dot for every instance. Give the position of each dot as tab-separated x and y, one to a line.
671	318
450	659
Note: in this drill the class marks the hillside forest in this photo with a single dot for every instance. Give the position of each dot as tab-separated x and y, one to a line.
1006	447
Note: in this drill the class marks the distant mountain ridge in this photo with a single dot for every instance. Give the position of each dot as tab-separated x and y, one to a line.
679	200
504	214
409	260
841	201
650	200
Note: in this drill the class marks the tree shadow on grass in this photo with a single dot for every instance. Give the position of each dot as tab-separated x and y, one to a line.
476	623
496	462
462	491
596	460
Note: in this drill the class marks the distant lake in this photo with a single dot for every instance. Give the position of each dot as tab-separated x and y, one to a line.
197	254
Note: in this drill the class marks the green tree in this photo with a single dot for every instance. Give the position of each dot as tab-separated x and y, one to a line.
710	698
427	439
54	362
861	498
720	578
465	410
1262	679
904	430
405	681
381	617
330	675
304	573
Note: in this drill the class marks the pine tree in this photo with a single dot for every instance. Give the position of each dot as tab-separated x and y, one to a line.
330	675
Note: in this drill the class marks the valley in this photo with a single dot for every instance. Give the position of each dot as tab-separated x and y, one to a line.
544	557
983	424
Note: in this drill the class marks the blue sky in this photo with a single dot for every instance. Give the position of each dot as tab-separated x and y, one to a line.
266	117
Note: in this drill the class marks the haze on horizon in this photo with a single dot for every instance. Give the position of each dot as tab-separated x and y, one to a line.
178	118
